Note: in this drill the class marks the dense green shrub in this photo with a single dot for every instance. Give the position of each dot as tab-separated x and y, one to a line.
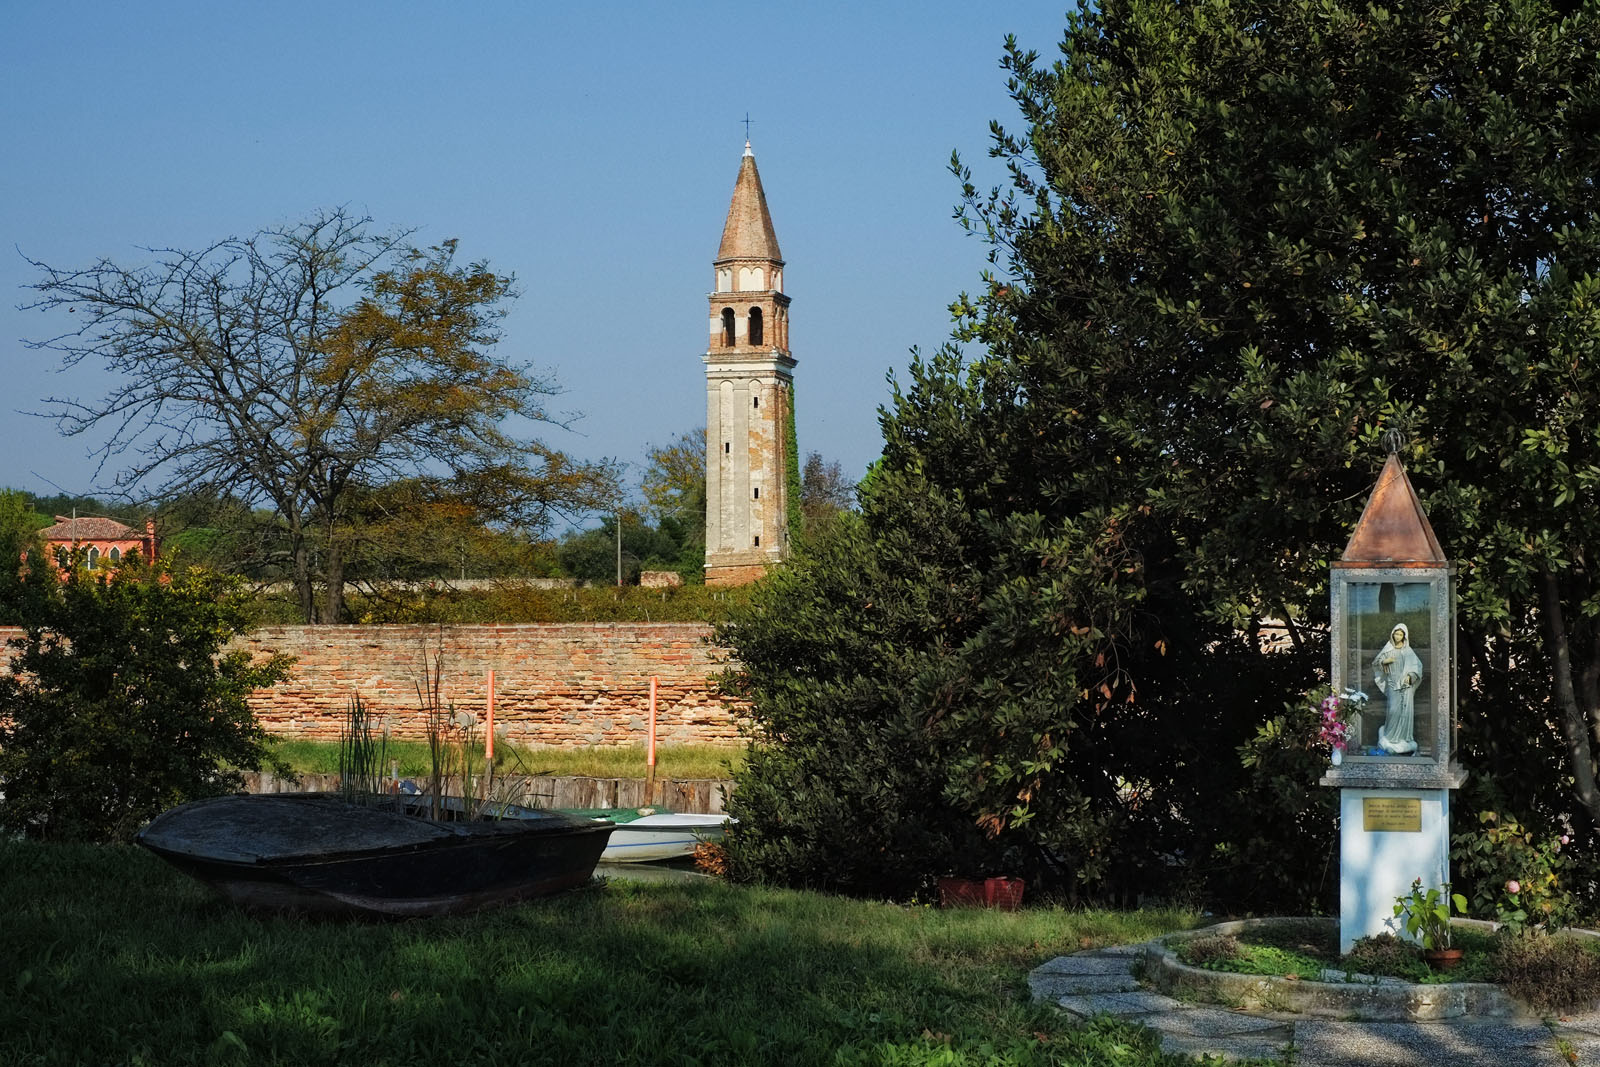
1518	876
513	602
937	688
1384	954
1210	949
121	700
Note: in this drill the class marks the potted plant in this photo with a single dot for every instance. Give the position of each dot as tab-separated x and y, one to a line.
1426	917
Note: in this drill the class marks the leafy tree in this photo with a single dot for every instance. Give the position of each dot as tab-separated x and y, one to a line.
303	367
121	699
591	555
1264	233
825	493
674	487
18	521
1240	241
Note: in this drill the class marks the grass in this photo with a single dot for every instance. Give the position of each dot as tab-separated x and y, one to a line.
111	957
623	761
1305	950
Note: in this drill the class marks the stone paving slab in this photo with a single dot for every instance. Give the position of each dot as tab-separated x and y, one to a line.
1262	1045
1320	1043
1585	1046
1088	1005
1214	1022
1085	965
1056	986
1581	1021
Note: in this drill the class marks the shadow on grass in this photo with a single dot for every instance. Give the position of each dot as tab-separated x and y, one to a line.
110	957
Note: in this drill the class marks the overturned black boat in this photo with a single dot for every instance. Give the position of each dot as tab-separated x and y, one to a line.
320	853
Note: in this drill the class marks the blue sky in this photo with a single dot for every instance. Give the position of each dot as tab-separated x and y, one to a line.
590	150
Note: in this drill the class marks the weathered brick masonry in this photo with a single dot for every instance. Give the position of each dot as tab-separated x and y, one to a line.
562	685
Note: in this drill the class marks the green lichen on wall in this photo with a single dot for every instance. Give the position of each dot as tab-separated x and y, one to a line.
791	474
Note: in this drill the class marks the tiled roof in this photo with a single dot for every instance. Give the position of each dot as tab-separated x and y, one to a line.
748	233
88	528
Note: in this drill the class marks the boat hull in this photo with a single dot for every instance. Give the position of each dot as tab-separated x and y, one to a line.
661	837
315	854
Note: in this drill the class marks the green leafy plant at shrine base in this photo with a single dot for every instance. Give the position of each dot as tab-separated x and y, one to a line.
1425	914
1238	242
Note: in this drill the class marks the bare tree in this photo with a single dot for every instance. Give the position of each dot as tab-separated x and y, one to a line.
301	368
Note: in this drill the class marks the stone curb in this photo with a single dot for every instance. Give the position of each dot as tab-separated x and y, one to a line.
1373	1000
1308	1040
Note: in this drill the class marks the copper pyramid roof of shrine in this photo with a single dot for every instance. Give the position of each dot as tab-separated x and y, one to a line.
1393	528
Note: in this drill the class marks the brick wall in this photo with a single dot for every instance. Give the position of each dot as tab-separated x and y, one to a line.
563	685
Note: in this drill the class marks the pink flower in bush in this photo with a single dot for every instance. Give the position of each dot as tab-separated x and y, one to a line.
1513	887
1565	839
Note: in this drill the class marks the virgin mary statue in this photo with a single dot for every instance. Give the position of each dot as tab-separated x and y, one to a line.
1396	671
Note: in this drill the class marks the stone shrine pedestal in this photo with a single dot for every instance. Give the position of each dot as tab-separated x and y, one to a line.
1394	827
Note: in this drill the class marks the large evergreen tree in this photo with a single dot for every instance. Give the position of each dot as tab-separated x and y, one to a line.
1240	241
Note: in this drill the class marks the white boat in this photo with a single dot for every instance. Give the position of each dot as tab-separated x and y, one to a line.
659	837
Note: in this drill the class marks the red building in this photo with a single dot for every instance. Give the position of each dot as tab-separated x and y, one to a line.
105	539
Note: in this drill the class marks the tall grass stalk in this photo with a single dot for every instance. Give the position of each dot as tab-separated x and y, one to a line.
438	716
307	756
362	760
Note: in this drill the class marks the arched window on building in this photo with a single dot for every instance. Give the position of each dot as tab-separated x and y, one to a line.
755	326
727	327
116	555
94	555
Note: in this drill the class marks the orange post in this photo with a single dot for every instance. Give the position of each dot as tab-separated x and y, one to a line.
650	756
488	741
650	749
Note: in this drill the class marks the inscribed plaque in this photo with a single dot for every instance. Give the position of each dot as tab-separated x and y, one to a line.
1398	814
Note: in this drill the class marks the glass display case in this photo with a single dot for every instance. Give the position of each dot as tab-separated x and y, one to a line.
1393	639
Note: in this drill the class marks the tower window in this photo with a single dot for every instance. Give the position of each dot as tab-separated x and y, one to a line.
758	540
755	401
727	327
726	448
757	492
755	326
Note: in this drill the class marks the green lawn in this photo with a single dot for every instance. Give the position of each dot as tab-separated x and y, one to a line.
110	957
620	761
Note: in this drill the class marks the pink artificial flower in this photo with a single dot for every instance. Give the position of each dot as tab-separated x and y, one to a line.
1513	887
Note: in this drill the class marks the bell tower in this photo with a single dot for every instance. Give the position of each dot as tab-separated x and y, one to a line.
749	393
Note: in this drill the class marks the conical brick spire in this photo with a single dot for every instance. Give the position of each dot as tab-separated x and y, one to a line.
748	233
1393	528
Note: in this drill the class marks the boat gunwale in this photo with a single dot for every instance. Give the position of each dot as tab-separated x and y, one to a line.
453	835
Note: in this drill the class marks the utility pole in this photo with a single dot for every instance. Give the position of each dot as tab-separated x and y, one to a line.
619	548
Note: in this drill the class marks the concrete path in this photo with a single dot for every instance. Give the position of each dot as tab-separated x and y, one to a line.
1101	982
